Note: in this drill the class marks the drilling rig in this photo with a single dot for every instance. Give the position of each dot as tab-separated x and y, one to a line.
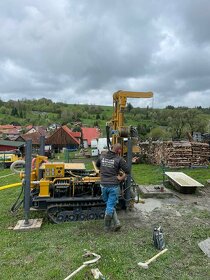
67	191
116	128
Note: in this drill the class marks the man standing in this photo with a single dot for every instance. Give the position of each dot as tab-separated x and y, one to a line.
110	166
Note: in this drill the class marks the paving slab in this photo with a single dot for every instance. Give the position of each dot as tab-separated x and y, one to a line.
205	246
159	191
33	224
182	182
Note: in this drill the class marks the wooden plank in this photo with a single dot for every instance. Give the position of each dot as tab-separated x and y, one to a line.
74	166
68	166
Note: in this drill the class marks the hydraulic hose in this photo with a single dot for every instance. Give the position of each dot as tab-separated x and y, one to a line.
18	202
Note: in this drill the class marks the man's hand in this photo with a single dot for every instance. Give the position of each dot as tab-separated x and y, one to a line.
121	176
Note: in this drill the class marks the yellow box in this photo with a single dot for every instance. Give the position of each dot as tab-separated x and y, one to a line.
44	188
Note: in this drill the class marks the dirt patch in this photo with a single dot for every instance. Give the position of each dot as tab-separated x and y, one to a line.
180	211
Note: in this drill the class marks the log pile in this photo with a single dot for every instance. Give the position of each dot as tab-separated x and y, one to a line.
175	154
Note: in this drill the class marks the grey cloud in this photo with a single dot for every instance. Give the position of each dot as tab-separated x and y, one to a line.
81	51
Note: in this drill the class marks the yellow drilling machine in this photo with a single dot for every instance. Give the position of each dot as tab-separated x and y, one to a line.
68	191
116	128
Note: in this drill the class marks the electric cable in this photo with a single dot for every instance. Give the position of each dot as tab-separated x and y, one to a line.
7	175
17	203
132	184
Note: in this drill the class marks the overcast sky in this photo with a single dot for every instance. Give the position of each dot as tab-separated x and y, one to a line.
80	51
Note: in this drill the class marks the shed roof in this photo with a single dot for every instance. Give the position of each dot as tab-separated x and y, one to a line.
35	137
62	136
11	143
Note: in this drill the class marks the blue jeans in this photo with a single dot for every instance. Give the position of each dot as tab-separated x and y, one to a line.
110	194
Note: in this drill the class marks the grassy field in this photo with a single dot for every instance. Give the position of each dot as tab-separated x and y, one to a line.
56	250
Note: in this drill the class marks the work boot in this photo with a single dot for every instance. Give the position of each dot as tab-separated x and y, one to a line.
107	222
116	221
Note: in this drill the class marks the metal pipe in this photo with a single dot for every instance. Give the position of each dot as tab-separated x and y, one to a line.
27	181
41	152
128	181
42	146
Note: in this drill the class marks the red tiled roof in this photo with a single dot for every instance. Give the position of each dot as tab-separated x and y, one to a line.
39	129
28	127
35	137
13	131
90	133
9	126
70	133
76	134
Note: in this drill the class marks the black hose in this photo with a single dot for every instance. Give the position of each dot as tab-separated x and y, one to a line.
17	203
108	137
124	189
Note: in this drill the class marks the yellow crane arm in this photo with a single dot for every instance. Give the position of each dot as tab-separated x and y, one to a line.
131	94
119	104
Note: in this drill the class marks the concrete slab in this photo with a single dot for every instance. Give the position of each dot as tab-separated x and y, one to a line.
205	246
154	191
33	224
183	180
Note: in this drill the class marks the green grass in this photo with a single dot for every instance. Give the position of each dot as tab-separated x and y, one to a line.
145	174
56	250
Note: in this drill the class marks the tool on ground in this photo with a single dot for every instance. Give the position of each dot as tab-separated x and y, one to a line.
145	265
158	239
87	254
97	274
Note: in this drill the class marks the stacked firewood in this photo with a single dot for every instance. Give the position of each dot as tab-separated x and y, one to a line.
200	153
175	154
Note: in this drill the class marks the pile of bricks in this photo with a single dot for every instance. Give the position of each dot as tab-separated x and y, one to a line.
175	154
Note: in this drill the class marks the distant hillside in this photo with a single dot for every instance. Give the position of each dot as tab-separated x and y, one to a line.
164	123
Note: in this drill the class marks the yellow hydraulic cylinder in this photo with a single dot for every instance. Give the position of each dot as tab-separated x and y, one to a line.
44	188
10	186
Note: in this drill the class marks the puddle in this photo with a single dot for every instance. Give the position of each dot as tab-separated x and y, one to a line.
153	203
149	205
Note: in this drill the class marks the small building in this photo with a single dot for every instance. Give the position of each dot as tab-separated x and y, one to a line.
89	134
63	138
53	127
9	131
32	129
34	137
6	145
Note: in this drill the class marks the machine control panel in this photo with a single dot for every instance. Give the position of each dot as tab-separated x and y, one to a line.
54	170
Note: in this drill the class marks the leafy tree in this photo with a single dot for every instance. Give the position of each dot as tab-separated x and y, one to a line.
98	117
1	103
95	123
170	107
159	133
14	112
143	130
129	107
195	121
4	110
177	123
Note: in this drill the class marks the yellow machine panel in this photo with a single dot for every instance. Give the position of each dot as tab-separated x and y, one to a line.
54	170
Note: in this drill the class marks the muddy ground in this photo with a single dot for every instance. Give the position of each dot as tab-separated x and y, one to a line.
174	214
